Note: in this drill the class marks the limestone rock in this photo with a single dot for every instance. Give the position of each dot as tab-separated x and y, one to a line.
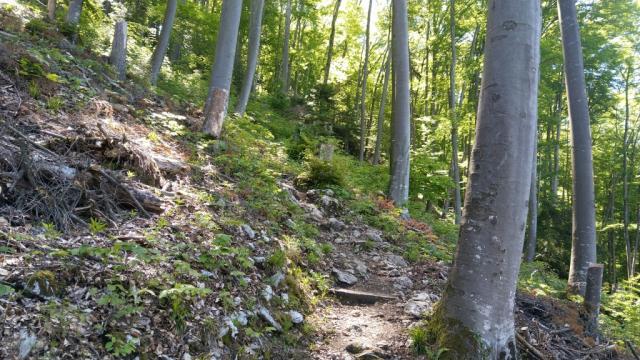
344	277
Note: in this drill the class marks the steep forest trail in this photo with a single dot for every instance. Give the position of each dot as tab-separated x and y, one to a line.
377	298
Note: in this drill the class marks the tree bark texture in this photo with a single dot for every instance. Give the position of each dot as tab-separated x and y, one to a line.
284	67
51	10
163	44
401	124
593	290
255	29
583	239
222	70
474	318
383	103
533	206
74	12
327	66
365	77
118	57
455	168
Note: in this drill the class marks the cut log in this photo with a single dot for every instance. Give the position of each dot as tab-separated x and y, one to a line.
592	298
360	297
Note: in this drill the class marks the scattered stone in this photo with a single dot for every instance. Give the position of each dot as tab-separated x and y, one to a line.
207	273
277	278
267	293
368	355
397	261
296	317
404	215
241	318
374	236
336	225
403	283
355	348
290	223
313	212
186	356
27	342
266	316
285	298
344	277
360	267
417	308
248	231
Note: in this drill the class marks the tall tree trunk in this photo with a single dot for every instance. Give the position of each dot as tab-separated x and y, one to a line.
51	10
165	35
625	176
533	205
609	219
635	247
222	69
556	151
455	168
401	124
383	103
583	242
327	66
365	76
74	12
118	57
255	26
175	46
284	67
474	319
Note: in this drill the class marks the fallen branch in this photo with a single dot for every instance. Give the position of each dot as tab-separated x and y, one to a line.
530	348
633	351
119	185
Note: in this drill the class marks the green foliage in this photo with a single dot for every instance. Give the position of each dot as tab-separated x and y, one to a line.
96	226
50	230
179	297
536	277
620	315
321	174
36	26
120	346
55	103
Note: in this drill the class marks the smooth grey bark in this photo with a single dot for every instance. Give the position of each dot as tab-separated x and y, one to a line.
533	206
163	44
51	10
583	242
222	69
383	103
74	12
327	66
625	175
635	247
609	219
592	298
455	168
556	151
284	66
365	77
255	29
118	57
401	123
474	319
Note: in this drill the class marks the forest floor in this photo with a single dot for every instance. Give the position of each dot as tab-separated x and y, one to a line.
125	233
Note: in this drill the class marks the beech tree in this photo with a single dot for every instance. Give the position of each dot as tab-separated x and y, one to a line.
118	57
222	70
474	319
163	44
255	27
401	123
583	239
327	66
51	10
284	67
383	103
455	168
365	76
74	12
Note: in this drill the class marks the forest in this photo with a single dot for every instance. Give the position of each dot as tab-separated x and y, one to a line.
319	179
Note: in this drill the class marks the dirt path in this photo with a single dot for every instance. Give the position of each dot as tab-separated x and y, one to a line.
378	297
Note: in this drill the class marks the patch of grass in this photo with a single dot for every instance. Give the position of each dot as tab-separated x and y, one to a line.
536	277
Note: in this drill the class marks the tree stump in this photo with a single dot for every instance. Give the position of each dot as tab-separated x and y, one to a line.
326	152
592	298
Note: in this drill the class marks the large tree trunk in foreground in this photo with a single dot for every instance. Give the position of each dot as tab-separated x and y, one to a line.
474	319
401	123
533	205
383	103
365	76
583	242
222	70
255	27
455	168
74	12
327	66
118	57
165	35
51	10
284	67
